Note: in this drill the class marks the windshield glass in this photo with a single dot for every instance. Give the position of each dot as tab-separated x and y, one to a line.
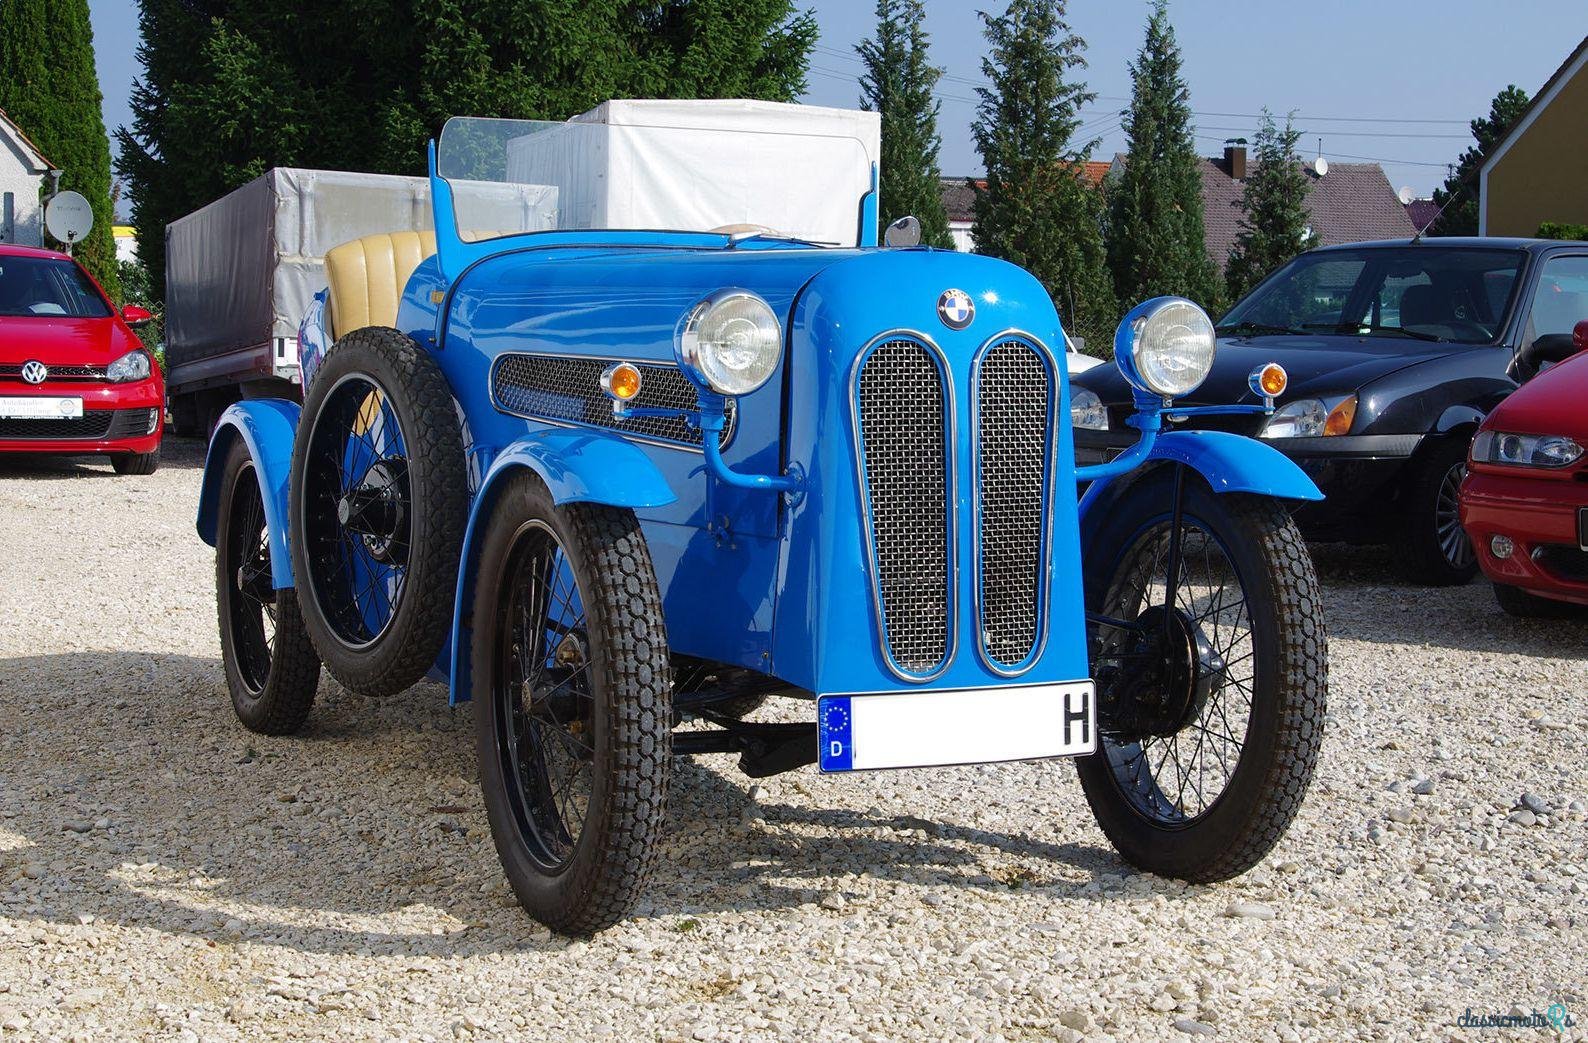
1410	293
39	287
661	166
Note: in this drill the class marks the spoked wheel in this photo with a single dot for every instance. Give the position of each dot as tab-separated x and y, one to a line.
271	667
572	685
379	503
1208	651
1432	547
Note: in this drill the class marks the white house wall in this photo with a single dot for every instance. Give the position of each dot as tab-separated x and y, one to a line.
21	186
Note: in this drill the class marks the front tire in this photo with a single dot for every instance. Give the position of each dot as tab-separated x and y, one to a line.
573	709
1432	547
137	463
1526	605
1210	716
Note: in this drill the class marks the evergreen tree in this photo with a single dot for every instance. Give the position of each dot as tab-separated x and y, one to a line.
1459	196
48	86
1037	209
898	83
234	87
1156	241
1274	227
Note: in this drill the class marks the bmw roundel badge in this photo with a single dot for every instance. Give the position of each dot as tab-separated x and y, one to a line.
956	309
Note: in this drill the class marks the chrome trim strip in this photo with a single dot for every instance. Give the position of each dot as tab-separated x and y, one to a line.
1045	566
730	432
951	487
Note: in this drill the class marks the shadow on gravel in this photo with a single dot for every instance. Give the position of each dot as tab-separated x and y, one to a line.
134	797
177	454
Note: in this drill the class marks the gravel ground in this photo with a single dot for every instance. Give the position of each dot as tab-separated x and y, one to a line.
165	874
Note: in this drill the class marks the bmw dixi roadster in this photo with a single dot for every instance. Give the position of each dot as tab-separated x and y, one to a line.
603	480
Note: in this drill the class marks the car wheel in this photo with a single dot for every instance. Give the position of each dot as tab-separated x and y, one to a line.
1432	547
572	692
270	665
379	502
1210	704
136	463
1525	605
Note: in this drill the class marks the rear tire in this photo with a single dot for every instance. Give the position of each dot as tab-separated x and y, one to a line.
1432	547
137	463
573	709
1525	605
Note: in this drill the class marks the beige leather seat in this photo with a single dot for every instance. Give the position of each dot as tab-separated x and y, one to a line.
367	277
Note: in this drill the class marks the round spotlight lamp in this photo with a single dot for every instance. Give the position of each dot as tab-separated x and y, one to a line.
1165	347
1501	547
730	343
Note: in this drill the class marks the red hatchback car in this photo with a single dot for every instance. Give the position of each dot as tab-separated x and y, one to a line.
1524	501
74	378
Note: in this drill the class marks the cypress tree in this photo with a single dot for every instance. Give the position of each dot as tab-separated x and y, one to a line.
1037	209
1274	225
1459	196
1157	243
49	87
898	83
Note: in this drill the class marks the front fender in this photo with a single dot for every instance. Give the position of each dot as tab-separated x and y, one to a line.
1229	463
577	467
267	427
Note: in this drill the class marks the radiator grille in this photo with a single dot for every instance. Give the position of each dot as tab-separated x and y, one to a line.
568	389
94	423
13	371
903	418
1014	445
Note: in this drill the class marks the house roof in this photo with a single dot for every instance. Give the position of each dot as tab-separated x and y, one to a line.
1353	203
1545	95
959	200
7	124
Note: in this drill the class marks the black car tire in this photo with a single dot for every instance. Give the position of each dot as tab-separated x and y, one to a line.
272	678
1429	550
1525	605
619	694
136	463
436	496
1289	683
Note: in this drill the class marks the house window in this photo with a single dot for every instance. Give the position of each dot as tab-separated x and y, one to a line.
8	218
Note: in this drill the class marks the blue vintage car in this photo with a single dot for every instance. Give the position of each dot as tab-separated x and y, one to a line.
604	480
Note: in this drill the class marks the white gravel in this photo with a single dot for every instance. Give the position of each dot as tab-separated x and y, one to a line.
166	875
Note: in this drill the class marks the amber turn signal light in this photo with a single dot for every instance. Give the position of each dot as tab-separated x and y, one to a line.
621	381
1340	417
1269	380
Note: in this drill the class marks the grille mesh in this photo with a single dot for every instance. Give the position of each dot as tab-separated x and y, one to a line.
13	371
559	387
1013	439
903	431
94	423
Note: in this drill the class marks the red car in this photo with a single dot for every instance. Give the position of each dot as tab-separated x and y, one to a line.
1524	501
74	378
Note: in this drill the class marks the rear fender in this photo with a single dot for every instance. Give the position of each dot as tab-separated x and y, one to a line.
577	467
267	427
1228	463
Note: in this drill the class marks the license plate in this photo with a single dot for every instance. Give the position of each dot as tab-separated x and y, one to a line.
1582	528
35	407
956	726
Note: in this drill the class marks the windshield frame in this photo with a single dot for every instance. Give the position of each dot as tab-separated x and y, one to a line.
86	283
1504	322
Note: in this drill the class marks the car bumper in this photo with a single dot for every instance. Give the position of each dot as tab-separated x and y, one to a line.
1540	516
117	418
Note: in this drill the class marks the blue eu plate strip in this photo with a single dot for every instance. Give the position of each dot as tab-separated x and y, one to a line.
834	723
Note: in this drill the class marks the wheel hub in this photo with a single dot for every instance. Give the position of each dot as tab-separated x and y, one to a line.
376	510
1162	679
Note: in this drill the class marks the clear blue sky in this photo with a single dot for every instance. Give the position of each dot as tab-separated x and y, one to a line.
1398	79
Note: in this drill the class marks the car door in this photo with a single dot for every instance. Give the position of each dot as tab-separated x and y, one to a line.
1556	302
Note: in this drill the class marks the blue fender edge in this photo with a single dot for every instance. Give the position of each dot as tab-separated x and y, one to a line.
577	467
1229	463
267	427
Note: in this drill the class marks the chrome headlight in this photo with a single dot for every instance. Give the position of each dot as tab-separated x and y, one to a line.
1498	447
730	342
1086	410
1312	418
134	365
1165	346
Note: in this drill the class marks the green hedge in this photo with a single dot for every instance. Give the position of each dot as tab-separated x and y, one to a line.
1562	230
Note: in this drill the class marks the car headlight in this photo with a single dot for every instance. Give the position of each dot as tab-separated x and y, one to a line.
1086	410
134	365
1311	418
1499	447
1165	346
730	342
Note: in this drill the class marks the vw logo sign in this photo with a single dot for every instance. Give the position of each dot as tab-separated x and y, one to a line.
956	309
34	371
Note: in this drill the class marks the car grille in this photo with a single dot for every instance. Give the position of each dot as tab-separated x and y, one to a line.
565	389
1014	434
13	371
93	424
903	418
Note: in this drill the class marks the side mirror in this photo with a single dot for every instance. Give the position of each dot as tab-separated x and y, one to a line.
906	231
1579	335
133	315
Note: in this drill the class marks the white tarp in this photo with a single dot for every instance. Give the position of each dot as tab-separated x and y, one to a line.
698	165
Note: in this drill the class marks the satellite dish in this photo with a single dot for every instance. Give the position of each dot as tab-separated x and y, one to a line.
1320	166
1406	195
68	217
